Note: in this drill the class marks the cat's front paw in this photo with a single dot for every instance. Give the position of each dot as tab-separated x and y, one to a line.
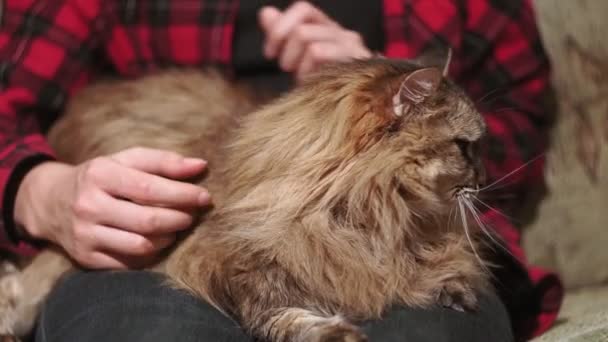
337	332
458	295
11	292
9	338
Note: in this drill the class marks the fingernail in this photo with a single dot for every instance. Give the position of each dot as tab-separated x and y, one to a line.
204	198
194	162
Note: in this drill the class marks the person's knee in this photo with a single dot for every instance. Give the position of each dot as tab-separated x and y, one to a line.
132	306
136	304
490	322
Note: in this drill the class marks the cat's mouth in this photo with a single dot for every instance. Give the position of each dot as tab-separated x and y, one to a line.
465	191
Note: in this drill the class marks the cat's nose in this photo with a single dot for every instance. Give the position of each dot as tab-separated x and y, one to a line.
480	174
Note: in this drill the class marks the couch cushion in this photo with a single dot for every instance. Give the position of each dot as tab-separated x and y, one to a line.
584	317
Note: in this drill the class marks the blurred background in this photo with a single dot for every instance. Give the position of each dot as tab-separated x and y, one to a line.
569	232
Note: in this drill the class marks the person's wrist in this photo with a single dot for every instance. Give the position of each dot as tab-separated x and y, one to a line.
34	197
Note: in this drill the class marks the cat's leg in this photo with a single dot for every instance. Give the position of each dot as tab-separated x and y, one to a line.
466	279
470	280
262	297
450	275
22	293
458	294
461	292
10	292
301	325
270	306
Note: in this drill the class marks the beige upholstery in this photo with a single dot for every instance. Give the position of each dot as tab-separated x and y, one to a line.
570	232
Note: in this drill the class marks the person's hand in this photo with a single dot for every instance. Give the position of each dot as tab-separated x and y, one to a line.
303	38
117	211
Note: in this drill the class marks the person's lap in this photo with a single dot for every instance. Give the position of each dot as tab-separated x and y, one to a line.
137	306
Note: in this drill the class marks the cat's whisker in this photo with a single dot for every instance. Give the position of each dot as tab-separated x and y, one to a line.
487	187
501	196
474	212
476	215
452	217
465	225
507	150
487	98
503	109
506	183
493	209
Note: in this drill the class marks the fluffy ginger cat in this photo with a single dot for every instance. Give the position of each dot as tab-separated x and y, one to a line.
331	203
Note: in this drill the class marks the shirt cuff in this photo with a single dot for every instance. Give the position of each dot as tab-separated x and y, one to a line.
16	161
12	184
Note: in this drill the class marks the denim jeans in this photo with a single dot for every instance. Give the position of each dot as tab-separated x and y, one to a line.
138	306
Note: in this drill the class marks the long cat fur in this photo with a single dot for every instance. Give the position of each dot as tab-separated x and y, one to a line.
331	203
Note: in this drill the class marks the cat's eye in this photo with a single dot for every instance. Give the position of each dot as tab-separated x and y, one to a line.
466	148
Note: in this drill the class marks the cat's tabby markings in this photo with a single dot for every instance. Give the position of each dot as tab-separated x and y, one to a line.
332	203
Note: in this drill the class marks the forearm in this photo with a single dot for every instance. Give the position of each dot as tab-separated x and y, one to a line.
22	147
31	209
12	226
41	67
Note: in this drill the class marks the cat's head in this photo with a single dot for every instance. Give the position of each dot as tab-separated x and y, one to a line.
362	137
409	126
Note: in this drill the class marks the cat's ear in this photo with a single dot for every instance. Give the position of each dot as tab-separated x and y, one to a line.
416	88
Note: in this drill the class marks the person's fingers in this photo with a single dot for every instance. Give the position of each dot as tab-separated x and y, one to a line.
278	30
140	219
267	17
303	35
122	242
141	187
291	54
160	162
101	261
321	52
315	55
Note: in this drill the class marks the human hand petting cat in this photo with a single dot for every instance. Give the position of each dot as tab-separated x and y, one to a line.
303	38
117	211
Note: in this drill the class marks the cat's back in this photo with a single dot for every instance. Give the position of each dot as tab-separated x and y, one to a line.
186	111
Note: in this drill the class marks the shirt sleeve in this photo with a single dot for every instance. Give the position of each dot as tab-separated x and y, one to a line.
505	70
500	63
45	53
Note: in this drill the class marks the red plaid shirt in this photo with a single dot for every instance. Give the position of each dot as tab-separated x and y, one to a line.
50	49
